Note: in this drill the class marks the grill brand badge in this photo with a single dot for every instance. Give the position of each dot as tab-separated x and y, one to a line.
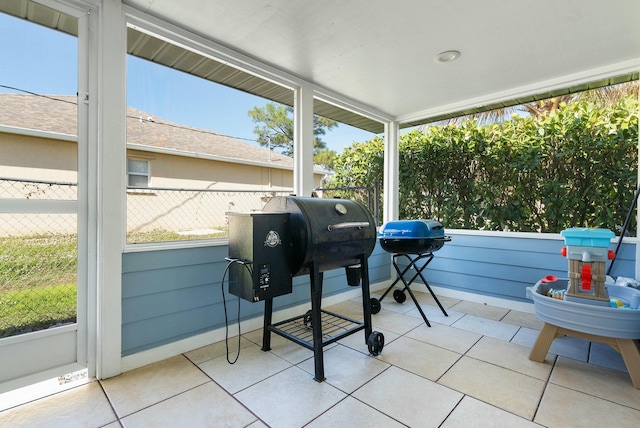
273	239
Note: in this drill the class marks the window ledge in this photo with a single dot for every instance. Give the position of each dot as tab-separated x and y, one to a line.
173	245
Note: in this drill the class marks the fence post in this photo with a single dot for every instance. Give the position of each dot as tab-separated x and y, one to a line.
376	199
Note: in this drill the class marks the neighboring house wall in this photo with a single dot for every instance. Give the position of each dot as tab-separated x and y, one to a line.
37	142
38	158
182	172
30	157
54	159
225	187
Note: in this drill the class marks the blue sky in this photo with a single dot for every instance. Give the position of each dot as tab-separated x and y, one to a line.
44	61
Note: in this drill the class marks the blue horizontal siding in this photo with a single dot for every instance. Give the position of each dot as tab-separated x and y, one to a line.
169	295
504	266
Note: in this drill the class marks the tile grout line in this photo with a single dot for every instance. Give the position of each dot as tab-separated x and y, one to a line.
228	392
113	409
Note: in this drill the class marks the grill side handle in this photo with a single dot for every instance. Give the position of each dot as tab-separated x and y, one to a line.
348	225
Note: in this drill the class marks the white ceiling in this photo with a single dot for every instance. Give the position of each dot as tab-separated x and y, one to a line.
381	52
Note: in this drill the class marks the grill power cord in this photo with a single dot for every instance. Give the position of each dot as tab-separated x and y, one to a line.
248	266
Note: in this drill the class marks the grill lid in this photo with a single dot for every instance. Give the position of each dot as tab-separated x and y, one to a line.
331	233
412	236
412	229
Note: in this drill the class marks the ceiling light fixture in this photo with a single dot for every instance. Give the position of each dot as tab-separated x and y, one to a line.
447	56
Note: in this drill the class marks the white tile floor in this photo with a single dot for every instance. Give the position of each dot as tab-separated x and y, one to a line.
470	369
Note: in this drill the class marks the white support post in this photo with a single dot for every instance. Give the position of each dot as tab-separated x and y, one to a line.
107	128
86	226
303	141
638	207
391	172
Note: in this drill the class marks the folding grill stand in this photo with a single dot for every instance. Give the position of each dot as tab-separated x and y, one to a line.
399	295
306	330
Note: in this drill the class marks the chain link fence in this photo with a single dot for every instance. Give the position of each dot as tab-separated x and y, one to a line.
38	252
163	214
38	259
356	193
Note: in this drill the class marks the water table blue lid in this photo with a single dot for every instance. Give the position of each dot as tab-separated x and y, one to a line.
586	237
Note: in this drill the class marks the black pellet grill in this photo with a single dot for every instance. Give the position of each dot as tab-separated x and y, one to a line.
295	236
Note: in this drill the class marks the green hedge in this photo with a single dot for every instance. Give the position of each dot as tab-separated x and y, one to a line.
574	167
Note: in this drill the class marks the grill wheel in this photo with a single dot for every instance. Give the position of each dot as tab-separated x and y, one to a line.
375	305
307	319
399	296
375	343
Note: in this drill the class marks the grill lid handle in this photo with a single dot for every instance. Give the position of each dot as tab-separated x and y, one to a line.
358	224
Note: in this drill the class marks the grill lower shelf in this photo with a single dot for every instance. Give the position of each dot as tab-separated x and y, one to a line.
300	329
318	328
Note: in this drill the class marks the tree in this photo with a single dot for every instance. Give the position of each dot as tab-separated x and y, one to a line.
575	166
325	157
605	96
276	128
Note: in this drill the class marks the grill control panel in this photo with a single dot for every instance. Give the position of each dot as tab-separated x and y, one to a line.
264	278
261	240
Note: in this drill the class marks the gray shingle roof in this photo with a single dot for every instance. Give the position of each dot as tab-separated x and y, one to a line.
57	114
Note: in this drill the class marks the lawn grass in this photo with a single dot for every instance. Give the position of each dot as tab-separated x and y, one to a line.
24	311
168	236
38	278
28	262
37	282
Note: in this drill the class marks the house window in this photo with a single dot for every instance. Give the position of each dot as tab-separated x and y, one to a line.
137	173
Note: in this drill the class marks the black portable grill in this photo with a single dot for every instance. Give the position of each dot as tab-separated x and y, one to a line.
415	241
317	235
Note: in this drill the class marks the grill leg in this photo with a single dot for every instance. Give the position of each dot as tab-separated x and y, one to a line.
400	274
424	317
266	332
427	284
366	298
408	288
407	284
316	321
